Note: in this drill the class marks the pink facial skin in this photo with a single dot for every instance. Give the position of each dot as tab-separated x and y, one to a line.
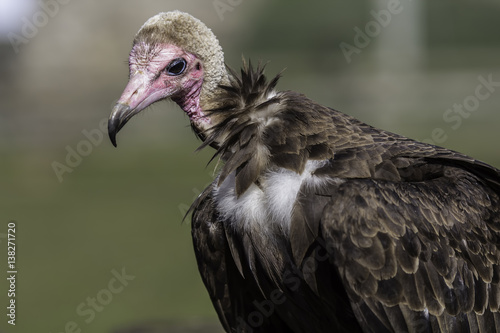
149	81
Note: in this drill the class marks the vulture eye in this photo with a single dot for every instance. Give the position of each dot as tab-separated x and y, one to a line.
176	67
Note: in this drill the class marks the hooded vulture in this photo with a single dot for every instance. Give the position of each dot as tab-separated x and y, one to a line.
316	221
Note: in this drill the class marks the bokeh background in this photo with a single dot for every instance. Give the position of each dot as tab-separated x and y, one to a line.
81	218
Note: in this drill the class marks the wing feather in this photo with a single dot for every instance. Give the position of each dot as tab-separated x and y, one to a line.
427	248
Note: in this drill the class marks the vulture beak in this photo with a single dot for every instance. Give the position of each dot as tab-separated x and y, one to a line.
138	95
119	116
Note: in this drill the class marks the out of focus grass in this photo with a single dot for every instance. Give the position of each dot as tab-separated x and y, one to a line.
118	209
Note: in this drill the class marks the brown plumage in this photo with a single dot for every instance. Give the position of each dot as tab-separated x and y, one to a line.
318	222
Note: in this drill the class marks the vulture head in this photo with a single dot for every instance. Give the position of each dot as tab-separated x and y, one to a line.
176	56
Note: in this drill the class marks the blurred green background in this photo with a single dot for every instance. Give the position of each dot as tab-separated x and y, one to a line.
120	210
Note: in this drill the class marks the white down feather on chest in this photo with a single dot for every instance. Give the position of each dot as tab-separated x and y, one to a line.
268	205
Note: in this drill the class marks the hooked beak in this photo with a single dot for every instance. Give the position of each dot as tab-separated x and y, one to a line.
119	116
138	95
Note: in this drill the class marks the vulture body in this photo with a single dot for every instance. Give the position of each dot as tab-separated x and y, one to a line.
316	221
